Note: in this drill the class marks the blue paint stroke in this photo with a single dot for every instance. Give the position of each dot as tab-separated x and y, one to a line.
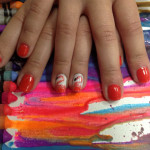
118	109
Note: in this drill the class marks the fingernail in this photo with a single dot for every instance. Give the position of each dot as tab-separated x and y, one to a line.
26	83
120	61
61	83
77	82
23	50
114	92
143	75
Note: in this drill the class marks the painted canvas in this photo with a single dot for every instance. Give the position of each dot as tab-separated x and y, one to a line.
43	119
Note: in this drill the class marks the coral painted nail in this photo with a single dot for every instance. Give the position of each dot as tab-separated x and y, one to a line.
77	82
26	83
143	75
23	50
61	83
114	92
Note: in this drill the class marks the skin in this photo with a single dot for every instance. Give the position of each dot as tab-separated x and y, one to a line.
109	22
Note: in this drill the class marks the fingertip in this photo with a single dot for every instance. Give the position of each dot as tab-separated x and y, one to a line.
143	75
112	88
77	82
23	50
114	92
26	83
61	83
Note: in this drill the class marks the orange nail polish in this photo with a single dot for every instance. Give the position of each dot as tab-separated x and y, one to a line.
61	82
60	89
114	92
77	89
77	82
143	75
26	83
23	50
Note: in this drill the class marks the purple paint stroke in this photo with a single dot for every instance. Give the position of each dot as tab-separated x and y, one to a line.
2	27
144	139
6	136
94	75
125	72
146	18
27	142
1	136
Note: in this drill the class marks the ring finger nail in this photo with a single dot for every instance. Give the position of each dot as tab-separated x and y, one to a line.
61	83
143	75
77	82
23	50
26	83
114	92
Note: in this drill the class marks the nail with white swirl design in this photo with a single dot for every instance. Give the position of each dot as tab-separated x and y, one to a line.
77	82
61	83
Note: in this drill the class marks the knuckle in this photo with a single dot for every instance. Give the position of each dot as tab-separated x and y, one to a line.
133	28
48	33
111	70
61	62
106	33
66	29
29	30
18	18
80	61
36	9
35	64
138	58
84	30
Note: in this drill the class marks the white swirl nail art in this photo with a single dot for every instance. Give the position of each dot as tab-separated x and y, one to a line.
61	83
77	82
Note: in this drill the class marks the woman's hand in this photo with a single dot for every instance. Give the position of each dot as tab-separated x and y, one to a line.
107	19
32	71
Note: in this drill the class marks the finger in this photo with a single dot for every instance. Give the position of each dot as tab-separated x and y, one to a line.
68	18
129	26
33	69
121	55
80	59
33	24
8	44
104	33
